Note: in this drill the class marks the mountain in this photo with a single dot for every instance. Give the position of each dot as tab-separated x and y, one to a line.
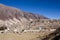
20	25
7	12
16	20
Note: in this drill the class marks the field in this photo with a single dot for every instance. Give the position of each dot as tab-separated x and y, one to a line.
23	36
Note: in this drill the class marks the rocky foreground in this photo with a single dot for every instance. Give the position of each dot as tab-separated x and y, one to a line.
53	36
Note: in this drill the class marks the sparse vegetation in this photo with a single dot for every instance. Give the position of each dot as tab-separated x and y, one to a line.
17	21
3	28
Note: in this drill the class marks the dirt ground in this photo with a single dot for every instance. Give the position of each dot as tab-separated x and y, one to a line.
22	36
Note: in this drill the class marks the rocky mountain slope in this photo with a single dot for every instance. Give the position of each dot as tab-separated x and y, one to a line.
10	13
15	20
19	25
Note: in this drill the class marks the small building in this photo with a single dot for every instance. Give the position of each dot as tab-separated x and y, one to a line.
42	28
52	29
31	30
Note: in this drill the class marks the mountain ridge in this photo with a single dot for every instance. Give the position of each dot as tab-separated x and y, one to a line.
9	12
14	18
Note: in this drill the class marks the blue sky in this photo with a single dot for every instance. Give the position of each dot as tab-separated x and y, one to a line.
48	8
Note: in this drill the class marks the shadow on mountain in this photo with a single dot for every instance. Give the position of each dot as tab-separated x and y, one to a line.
53	36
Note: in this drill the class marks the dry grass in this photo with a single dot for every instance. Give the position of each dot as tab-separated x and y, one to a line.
23	36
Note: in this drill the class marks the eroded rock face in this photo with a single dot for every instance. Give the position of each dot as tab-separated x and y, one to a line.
14	18
17	21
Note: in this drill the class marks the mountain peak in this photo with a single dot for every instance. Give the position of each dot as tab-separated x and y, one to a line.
7	12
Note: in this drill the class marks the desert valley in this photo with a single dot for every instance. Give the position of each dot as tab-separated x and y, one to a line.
16	24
